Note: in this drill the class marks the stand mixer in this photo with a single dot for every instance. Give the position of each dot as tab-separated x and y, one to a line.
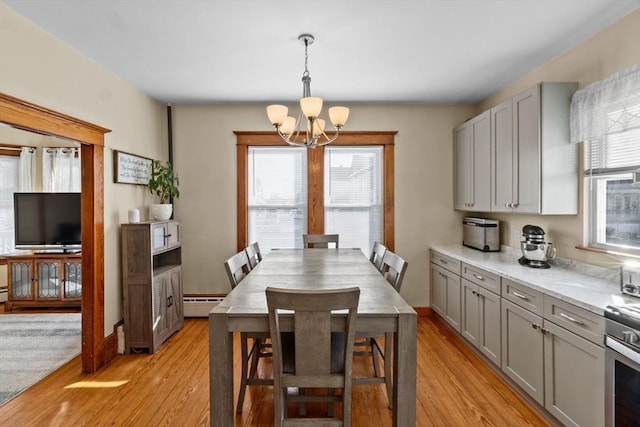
535	251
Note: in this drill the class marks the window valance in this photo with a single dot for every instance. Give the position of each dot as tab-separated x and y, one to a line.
607	106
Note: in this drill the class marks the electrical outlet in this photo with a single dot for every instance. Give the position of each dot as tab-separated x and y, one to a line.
516	235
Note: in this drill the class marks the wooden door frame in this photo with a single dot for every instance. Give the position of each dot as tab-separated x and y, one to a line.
31	117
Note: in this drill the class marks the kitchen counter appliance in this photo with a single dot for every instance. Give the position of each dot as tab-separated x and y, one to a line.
535	251
481	234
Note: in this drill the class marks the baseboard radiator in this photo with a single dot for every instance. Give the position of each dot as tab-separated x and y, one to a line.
195	306
4	293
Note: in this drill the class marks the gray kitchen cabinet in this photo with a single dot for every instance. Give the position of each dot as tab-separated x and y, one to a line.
152	283
472	172
574	377
523	349
534	164
446	288
480	323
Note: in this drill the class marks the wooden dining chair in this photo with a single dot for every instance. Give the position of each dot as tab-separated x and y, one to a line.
377	254
393	268
314	356
320	240
253	346
254	254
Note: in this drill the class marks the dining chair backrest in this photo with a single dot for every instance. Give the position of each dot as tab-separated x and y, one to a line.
394	268
237	267
320	240
377	254
320	357
254	254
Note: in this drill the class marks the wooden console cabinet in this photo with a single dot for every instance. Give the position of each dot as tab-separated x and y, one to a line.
44	280
152	283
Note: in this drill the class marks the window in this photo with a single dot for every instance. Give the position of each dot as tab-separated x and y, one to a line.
8	186
606	117
344	188
61	170
353	195
277	196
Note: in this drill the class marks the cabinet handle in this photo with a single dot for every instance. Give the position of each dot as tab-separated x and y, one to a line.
170	301
514	205
519	295
478	277
534	326
443	261
571	319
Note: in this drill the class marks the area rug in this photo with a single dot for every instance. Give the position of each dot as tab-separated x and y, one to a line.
34	345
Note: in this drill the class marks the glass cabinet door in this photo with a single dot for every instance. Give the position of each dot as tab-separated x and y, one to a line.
21	280
72	279
48	279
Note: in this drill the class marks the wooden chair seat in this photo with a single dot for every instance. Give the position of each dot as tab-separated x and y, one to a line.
320	240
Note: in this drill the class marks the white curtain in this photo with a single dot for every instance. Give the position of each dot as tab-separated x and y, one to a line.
26	170
607	106
61	170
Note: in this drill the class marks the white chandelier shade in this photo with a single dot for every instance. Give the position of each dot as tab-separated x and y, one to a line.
289	128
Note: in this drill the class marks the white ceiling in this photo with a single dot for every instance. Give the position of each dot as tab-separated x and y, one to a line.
365	50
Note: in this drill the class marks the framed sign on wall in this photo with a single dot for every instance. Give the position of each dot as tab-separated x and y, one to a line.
131	169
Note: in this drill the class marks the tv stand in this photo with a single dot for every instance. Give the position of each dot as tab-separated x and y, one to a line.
44	280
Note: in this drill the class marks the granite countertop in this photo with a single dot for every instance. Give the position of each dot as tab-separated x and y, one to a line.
586	286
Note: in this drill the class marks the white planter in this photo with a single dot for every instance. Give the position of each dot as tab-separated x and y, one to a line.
161	212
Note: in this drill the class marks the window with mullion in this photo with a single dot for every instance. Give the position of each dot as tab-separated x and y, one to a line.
353	195
277	196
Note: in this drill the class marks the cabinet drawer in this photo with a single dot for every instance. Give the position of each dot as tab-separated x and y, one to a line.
581	322
523	296
444	261
481	277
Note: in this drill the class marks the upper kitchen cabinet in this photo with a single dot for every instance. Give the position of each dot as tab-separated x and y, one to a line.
534	165
472	174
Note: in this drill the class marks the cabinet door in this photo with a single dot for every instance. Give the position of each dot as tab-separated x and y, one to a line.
161	285
175	316
481	184
47	280
463	171
574	378
438	290
21	280
503	157
522	349
526	131
489	336
72	279
470	322
173	234
453	313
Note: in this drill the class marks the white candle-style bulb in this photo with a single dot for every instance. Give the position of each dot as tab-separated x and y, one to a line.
311	106
338	115
277	113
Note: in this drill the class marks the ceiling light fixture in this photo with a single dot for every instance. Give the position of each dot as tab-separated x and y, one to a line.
310	107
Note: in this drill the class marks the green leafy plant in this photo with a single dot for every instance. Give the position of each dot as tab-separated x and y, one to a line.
164	181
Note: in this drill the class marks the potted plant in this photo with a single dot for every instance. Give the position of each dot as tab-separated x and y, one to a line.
163	182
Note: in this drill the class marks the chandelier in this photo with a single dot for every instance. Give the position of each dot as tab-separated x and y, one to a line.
290	129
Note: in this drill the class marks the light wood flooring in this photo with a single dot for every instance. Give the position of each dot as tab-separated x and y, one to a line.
171	388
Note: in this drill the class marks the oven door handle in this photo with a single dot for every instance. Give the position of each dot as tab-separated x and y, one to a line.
622	349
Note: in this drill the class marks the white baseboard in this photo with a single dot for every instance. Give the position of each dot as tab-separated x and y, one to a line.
199	306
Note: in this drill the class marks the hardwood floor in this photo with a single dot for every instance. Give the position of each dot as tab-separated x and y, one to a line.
171	388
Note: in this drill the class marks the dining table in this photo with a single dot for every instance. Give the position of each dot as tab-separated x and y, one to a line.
381	311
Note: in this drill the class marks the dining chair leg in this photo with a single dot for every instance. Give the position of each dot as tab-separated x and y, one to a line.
374	356
245	355
388	353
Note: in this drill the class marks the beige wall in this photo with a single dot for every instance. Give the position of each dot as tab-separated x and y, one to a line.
41	69
205	158
612	50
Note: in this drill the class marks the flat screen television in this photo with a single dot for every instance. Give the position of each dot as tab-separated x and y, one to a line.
47	221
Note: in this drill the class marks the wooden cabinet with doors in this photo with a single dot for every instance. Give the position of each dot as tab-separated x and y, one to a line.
472	174
534	164
152	283
44	280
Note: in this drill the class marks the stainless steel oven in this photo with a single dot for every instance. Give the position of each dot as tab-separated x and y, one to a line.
622	373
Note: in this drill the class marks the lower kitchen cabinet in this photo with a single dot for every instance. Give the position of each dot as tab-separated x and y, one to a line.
445	295
523	349
574	378
480	323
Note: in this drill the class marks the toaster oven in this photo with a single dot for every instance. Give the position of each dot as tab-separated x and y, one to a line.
481	234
